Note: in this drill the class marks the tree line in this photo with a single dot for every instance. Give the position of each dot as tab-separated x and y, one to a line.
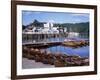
82	27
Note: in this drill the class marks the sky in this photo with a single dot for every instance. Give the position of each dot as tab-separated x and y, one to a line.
54	17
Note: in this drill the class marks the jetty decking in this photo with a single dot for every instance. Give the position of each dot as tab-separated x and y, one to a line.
74	44
42	44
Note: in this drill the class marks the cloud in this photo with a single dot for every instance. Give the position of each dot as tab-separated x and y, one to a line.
81	14
52	21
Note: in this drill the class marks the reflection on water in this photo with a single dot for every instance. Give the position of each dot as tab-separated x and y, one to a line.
82	51
47	37
63	38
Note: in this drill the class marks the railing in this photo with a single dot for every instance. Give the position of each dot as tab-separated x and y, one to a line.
41	37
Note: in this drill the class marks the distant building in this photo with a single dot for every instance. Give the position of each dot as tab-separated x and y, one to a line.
49	28
46	28
73	34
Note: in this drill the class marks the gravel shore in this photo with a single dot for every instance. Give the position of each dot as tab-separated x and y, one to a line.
28	64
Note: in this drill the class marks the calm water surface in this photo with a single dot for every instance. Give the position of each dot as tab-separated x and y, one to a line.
82	51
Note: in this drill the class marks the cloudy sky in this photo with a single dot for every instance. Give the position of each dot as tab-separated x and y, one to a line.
55	17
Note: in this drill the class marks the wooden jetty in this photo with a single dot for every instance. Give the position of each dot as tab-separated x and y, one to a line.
42	44
74	44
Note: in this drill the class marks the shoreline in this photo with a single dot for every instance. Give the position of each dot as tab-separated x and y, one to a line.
57	60
29	64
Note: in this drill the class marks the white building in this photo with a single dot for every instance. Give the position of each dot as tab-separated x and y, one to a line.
49	28
73	34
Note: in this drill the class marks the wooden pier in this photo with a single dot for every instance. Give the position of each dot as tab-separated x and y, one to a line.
42	44
74	44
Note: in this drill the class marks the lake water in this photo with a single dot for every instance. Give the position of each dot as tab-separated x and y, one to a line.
81	51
